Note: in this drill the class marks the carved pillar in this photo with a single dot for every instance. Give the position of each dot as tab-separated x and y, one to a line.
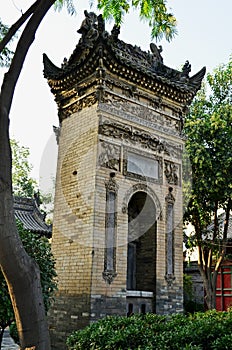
109	272
170	200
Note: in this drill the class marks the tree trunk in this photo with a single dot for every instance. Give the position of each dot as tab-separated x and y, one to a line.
209	276
20	271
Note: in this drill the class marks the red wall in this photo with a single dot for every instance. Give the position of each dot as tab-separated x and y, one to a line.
224	287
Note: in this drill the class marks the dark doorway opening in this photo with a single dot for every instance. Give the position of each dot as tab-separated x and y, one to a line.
141	250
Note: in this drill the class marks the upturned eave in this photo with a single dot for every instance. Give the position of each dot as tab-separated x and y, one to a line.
97	50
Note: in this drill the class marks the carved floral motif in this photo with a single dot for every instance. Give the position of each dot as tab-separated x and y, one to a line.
170	198
109	276
170	278
111	185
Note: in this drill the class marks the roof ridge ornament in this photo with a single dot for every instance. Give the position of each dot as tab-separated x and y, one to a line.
98	49
91	28
88	29
115	32
156	51
185	72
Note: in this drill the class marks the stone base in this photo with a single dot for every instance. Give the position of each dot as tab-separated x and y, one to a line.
139	302
67	314
170	300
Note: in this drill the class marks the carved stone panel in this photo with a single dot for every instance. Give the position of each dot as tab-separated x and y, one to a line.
172	172
143	113
77	105
109	156
109	272
136	136
142	166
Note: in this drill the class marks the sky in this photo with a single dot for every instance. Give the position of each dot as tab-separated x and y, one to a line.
204	39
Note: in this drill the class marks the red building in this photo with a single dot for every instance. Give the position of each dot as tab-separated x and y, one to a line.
224	287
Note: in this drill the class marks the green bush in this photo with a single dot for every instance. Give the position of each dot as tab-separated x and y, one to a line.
200	331
39	249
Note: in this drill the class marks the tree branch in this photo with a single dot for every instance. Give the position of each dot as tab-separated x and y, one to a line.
24	43
15	27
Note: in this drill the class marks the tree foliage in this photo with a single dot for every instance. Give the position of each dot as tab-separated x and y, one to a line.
200	331
60	4
209	146
155	12
39	249
23	184
6	53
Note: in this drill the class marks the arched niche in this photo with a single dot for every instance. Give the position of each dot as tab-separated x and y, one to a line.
142	188
141	246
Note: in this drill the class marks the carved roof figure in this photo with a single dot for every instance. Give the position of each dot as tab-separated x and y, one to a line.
99	53
88	28
27	211
156	52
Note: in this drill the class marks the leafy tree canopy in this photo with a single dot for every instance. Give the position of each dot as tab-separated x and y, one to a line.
155	12
6	54
208	129
23	184
209	143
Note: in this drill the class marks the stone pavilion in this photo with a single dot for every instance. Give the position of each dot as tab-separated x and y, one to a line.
117	230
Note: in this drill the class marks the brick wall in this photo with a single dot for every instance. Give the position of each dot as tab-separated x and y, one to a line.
80	220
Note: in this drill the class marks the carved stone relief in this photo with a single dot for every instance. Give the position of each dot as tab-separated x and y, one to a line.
56	131
139	137
109	272
142	112
111	185
142	187
172	172
109	156
78	105
170	200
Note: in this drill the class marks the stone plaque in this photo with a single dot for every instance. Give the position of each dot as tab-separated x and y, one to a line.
143	166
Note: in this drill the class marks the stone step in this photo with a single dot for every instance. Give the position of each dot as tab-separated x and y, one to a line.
8	343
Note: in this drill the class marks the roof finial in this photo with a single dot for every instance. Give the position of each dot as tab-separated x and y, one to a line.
89	28
156	52
115	32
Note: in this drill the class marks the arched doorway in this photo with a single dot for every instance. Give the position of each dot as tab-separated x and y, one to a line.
141	249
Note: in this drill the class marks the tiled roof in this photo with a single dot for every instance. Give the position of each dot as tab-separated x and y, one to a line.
27	211
97	45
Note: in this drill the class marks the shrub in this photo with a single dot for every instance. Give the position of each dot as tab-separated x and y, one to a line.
39	249
200	331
